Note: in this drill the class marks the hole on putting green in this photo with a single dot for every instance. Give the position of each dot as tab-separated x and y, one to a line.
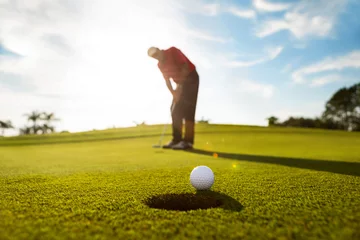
183	202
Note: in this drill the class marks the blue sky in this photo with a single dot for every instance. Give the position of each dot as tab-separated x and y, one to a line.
87	62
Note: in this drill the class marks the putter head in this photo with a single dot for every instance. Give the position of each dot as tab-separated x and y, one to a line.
156	146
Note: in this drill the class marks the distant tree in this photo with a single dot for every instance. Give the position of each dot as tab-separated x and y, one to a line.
45	128
34	117
203	121
296	122
143	123
272	121
25	130
329	124
5	125
343	108
48	118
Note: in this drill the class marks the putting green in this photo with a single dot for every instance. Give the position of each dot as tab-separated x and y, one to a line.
270	183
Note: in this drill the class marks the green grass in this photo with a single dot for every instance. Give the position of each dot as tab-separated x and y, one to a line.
270	183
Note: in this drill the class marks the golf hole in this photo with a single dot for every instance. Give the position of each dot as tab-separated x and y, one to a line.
184	202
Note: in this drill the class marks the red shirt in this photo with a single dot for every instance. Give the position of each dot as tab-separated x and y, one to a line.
174	60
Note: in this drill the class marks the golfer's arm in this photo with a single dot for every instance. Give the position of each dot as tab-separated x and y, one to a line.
169	86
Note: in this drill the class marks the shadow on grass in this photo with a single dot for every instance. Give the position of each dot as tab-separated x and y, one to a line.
190	201
346	168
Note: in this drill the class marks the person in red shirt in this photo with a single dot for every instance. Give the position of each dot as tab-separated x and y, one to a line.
174	65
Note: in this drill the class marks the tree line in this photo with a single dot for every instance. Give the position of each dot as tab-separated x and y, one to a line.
41	123
342	112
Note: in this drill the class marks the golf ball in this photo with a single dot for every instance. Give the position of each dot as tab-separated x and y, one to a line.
202	178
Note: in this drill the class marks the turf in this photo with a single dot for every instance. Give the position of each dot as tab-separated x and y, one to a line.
270	183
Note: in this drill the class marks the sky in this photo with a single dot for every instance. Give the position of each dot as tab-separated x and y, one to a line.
86	60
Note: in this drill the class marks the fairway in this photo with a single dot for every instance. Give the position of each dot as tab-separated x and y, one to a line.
270	183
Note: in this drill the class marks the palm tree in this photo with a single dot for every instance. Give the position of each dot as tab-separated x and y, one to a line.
5	125
45	128
2	126
48	118
34	116
25	131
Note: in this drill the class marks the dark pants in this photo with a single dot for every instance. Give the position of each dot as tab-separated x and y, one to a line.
185	108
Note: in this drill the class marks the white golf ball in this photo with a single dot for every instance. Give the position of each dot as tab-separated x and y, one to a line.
202	178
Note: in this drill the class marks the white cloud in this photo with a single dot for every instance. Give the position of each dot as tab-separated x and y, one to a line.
198	7
245	63
306	19
215	9
271	54
256	88
321	81
274	52
350	60
263	5
205	36
211	9
272	26
242	13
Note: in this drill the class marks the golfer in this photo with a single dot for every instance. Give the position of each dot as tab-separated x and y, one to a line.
176	66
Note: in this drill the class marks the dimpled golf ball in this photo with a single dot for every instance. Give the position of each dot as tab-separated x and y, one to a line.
202	178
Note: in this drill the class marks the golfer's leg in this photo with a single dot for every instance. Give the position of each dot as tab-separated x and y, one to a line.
176	123
191	101
190	131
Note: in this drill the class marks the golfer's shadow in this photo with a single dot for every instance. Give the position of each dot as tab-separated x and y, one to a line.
345	168
190	201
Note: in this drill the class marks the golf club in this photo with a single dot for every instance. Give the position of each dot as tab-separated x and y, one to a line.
161	138
164	130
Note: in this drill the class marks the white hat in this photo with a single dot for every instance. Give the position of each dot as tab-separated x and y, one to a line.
152	51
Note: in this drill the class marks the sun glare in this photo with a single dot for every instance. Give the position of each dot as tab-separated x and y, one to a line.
112	64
